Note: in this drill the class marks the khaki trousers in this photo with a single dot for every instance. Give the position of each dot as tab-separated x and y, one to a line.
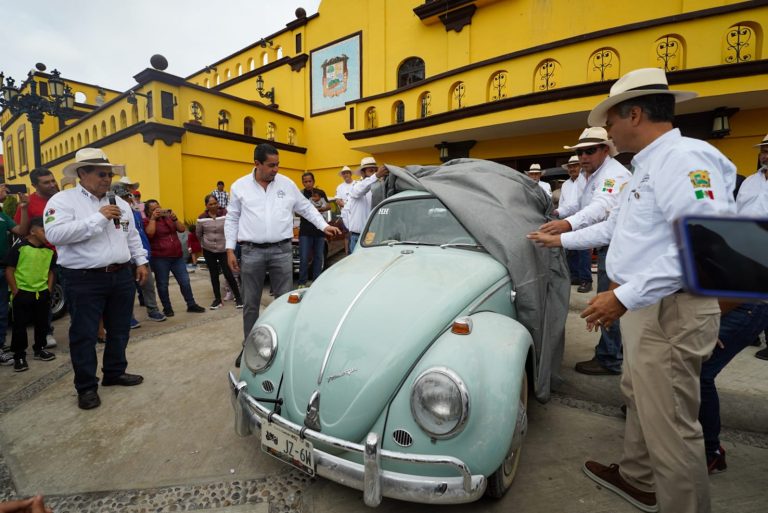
664	346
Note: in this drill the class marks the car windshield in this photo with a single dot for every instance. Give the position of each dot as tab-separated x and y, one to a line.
423	221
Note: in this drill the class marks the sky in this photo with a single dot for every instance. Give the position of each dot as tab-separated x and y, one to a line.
107	42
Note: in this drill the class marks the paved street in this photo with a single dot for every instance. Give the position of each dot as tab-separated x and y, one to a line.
169	445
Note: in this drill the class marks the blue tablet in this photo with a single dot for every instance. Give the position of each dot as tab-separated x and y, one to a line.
725	257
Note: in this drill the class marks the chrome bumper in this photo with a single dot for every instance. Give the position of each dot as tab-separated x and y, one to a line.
369	477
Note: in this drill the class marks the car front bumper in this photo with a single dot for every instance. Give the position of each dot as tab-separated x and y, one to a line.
369	477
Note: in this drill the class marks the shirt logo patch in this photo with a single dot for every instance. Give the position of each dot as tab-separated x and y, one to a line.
608	185
50	211
49	219
701	184
281	194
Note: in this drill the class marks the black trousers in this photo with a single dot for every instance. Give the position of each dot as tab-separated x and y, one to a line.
30	307
216	262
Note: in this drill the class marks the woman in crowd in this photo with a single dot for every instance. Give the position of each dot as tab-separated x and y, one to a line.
162	227
210	232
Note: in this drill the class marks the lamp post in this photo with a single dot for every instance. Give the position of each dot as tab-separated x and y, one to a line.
55	98
270	95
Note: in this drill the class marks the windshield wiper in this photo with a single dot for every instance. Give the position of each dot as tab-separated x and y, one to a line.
393	242
462	245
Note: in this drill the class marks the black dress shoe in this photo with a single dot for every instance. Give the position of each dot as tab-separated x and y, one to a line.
238	359
586	286
123	380
88	400
168	312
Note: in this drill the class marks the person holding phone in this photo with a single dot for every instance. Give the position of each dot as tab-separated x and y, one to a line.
8	226
162	226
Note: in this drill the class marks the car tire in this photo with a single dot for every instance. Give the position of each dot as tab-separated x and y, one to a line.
501	480
58	304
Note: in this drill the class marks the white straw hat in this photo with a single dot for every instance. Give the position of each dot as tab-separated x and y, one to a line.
91	157
571	161
594	136
535	168
640	82
366	163
344	169
764	143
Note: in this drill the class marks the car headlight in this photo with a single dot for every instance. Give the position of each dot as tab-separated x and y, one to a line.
440	402
260	348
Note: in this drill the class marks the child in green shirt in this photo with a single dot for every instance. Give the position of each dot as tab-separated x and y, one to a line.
29	271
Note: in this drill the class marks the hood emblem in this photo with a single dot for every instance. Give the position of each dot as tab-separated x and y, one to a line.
312	420
347	372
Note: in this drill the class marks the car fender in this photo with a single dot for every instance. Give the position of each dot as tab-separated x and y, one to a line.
490	361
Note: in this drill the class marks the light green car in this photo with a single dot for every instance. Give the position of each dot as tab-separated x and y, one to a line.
401	371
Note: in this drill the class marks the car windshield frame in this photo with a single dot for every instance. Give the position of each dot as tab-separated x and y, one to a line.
459	239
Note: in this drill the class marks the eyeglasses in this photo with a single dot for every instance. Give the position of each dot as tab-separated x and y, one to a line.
589	151
104	174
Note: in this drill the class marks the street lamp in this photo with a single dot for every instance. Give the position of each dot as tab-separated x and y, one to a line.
56	99
270	95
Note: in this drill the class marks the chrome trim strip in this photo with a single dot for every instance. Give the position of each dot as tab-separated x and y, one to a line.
413	488
346	314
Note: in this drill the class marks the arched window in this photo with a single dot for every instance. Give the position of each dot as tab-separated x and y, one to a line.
398	112
103	128
72	144
292	136
80	97
134	114
217	79
87	137
547	75
196	114
458	92
251	64
425	104
264	58
227	74
239	69
9	162
370	118
279	52
79	141
271	131
248	126
208	83
223	119
741	43
498	86
410	71
23	160
112	125
669	52
123	120
603	65
94	134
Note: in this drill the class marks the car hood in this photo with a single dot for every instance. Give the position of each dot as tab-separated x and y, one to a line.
370	318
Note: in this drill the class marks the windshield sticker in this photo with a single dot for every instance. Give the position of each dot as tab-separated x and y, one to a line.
370	237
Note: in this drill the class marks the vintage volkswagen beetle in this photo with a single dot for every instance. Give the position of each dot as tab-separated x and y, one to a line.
403	371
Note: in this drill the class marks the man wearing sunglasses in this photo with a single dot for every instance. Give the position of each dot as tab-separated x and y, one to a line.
96	240
605	177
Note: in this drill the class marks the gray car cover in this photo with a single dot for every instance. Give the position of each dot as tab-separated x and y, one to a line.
499	206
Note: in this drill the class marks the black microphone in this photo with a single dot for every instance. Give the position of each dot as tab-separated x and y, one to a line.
111	199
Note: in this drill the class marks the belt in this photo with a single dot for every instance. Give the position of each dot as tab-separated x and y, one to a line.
111	268
263	245
355	233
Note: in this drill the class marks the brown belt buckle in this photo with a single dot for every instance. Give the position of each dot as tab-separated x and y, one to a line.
112	268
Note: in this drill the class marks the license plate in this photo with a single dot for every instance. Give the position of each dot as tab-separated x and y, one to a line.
288	447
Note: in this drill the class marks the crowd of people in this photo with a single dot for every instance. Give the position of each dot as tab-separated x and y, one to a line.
667	344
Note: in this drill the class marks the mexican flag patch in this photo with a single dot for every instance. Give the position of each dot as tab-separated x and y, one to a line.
701	184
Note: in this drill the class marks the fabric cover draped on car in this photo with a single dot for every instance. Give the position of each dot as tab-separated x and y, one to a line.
499	206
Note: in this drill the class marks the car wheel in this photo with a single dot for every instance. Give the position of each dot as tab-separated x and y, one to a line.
500	481
58	305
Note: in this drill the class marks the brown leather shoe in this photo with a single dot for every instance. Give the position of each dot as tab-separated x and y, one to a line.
610	478
586	286
594	368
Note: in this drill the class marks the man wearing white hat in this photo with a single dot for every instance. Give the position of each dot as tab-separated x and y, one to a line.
342	197
579	261
96	239
604	177
534	173
359	203
667	332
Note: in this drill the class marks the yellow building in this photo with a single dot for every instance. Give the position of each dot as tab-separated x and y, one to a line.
411	81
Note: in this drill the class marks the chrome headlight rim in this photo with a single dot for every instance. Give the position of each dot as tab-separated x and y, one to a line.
464	395
255	369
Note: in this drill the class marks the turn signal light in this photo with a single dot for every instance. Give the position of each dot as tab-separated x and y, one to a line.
294	298
462	326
